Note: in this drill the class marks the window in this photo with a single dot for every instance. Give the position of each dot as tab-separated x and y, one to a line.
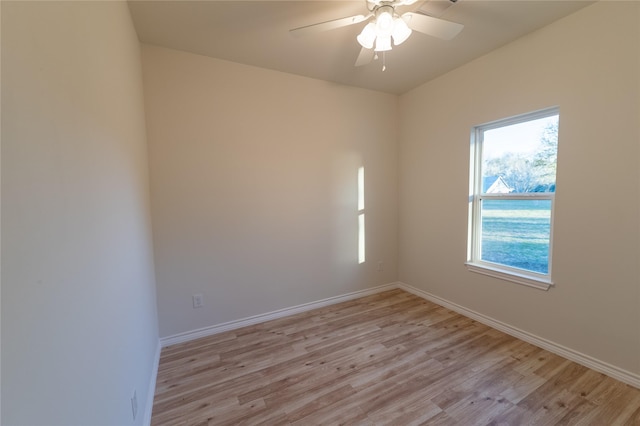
512	190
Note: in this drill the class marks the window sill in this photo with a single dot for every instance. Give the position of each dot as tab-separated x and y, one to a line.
502	274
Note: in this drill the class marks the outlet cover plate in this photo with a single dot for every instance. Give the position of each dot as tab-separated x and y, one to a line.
198	300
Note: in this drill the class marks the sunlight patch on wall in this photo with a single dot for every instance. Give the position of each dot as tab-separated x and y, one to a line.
361	245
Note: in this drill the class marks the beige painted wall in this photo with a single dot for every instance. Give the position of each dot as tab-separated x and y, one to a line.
253	183
588	65
79	322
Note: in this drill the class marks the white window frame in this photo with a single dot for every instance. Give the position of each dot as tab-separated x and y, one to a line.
476	196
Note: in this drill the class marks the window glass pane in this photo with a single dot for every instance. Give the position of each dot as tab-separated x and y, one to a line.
516	233
521	157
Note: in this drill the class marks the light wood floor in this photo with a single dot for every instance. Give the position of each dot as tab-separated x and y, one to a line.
388	359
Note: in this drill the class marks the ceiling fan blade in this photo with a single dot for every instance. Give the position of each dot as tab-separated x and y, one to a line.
365	56
328	25
432	26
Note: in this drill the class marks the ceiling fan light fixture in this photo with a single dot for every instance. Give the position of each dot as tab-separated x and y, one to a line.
383	43
384	22
401	31
386	26
368	36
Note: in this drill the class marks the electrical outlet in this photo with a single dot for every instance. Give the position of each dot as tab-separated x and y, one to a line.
134	404
198	300
380	267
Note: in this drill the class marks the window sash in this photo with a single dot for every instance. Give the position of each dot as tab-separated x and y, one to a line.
501	270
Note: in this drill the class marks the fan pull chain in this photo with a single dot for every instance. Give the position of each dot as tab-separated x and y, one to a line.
384	59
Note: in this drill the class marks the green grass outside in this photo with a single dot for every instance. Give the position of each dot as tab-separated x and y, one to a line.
516	233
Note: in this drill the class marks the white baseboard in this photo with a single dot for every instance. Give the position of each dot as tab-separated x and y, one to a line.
578	357
232	325
146	420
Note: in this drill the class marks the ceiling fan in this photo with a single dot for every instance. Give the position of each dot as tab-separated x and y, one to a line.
385	25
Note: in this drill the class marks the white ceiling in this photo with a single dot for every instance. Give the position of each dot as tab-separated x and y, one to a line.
257	33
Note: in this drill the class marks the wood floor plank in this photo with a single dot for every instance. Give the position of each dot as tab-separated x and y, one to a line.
634	418
387	359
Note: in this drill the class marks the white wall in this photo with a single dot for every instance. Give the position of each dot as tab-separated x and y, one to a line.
253	183
79	324
588	65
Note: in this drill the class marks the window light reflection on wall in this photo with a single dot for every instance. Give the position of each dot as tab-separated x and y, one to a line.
361	245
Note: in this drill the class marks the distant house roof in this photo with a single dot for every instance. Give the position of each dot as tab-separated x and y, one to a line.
495	185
